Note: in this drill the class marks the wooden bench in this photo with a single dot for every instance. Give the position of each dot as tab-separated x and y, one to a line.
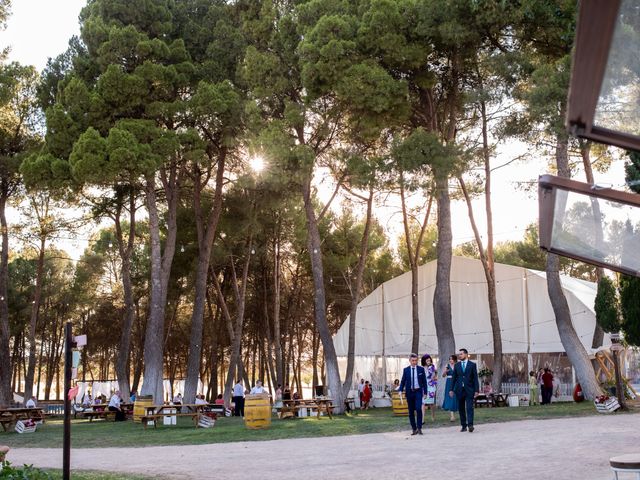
145	419
6	422
103	414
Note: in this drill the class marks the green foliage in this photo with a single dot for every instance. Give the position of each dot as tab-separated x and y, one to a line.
424	149
26	472
629	290
606	306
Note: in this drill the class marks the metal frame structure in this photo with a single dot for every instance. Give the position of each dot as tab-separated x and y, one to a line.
548	185
596	26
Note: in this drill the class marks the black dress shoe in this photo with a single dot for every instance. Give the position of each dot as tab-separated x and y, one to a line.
470	428
419	431
415	432
463	429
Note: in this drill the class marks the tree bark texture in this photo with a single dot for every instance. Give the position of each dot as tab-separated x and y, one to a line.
356	289
442	291
160	272
570	341
315	253
206	235
5	355
126	251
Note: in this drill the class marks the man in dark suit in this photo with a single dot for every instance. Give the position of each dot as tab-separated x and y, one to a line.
414	384
465	386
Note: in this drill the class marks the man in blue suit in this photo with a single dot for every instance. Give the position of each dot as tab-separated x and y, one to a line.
414	384
465	386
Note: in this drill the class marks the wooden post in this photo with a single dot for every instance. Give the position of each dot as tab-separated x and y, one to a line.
66	446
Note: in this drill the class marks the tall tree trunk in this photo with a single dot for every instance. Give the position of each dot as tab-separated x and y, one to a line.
35	308
356	289
585	153
160	272
442	291
236	367
5	357
206	235
123	371
277	334
489	273
315	253
568	336
415	311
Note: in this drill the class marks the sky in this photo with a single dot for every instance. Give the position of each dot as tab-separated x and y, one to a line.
39	29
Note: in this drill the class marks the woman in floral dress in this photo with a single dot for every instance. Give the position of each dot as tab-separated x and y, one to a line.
432	382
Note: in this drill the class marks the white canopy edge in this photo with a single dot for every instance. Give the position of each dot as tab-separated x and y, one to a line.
527	320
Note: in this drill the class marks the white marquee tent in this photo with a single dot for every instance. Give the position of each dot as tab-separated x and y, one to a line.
384	326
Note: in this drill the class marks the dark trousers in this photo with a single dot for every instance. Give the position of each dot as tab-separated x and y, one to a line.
238	410
414	403
546	394
465	409
120	416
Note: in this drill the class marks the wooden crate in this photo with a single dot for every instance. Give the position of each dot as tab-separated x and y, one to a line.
609	406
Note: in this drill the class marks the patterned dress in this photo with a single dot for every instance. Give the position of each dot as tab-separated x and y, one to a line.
450	404
432	384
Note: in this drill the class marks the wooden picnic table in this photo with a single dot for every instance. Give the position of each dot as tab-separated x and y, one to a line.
318	403
154	412
101	410
9	416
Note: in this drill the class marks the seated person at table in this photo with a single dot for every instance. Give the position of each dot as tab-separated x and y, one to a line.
297	397
31	403
87	401
133	397
114	406
200	400
177	400
486	388
219	400
286	395
258	389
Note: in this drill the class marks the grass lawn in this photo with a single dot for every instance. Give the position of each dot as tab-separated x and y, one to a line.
100	433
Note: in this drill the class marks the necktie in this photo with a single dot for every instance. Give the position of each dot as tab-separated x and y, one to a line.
413	377
464	366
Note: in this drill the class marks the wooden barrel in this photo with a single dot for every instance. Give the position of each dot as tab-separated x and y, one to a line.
257	411
139	406
399	403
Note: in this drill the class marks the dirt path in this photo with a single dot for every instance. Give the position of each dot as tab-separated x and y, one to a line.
568	449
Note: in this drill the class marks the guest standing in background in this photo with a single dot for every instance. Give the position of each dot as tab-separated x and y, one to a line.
450	403
361	391
366	395
533	388
547	386
238	399
429	400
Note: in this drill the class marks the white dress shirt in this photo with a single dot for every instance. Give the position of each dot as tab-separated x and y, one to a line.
257	390
114	401
238	390
30	403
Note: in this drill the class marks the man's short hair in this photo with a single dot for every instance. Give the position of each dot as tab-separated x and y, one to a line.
413	355
464	350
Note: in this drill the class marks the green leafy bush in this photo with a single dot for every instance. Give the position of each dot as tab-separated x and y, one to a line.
26	472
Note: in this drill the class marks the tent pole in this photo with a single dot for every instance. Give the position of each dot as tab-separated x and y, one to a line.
384	356
525	315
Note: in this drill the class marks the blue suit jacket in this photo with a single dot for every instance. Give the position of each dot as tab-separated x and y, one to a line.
466	381
405	383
